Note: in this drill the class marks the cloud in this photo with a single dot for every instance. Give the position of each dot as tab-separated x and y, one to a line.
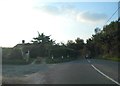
56	8
73	12
91	17
52	9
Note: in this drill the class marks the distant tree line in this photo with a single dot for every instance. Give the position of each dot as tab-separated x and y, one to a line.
43	46
104	43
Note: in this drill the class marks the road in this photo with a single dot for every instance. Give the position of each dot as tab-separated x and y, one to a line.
81	72
75	72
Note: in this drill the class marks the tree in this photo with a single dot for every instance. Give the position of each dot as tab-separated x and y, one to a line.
106	42
79	44
97	30
42	45
41	39
90	46
71	44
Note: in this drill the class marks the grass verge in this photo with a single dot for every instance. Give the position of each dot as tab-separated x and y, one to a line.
116	59
16	61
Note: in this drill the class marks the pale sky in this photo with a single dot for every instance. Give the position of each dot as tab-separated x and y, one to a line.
21	19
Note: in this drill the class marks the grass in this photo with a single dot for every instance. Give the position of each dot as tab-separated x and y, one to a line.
16	61
111	58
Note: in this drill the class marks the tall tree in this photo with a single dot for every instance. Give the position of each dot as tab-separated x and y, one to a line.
106	42
42	45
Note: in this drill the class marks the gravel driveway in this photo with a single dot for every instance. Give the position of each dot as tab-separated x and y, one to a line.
25	74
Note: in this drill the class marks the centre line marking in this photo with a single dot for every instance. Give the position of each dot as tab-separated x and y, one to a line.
105	75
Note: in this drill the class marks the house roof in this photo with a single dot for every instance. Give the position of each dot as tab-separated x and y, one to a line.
18	46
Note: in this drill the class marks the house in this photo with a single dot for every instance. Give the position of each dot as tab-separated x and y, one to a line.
24	49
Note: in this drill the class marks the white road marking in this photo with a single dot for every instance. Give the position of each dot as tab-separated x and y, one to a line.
105	75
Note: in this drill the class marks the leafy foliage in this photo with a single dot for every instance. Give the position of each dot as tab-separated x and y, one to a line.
106	42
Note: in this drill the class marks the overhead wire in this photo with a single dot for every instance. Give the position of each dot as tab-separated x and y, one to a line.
113	14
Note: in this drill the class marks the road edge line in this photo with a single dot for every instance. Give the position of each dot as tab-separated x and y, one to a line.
105	75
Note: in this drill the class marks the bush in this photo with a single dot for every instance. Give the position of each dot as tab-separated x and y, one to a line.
6	52
16	54
59	52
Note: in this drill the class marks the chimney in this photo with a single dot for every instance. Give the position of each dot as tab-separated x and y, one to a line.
23	41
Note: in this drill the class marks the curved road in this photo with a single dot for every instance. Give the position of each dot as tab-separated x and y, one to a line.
75	72
81	72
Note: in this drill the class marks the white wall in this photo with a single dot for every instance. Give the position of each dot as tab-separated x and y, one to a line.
0	65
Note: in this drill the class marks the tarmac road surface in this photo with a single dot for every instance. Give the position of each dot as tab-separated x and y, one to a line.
75	72
81	72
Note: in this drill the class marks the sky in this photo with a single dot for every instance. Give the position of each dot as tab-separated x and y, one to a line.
21	19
